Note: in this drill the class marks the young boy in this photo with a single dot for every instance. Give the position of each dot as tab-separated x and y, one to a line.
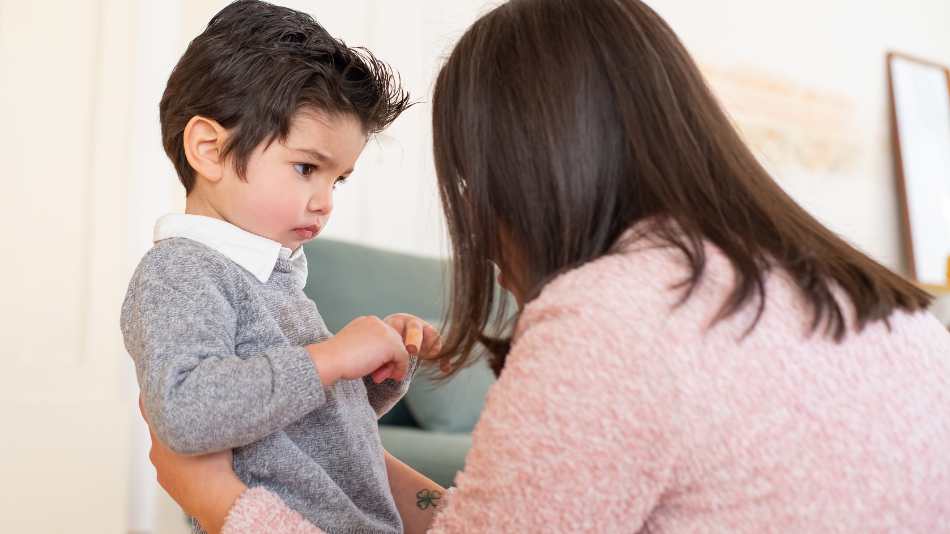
263	115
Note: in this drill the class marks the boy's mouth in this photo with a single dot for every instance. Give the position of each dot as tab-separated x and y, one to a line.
307	232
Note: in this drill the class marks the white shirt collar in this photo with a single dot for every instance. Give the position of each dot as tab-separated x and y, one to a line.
257	254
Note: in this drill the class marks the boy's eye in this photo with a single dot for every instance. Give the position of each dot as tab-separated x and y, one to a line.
340	181
304	169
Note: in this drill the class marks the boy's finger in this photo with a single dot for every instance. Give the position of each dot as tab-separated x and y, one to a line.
401	366
382	373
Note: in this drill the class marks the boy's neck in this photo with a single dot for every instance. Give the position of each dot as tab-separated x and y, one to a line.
197	204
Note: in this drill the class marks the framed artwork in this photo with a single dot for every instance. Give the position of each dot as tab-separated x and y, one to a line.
920	118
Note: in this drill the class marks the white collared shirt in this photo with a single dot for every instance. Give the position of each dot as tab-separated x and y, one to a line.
256	254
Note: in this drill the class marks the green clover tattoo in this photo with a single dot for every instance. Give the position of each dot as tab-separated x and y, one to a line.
426	498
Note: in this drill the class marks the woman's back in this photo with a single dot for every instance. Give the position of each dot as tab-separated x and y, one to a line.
672	425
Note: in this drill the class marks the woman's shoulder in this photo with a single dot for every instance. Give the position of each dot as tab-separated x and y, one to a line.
618	315
642	293
641	299
640	282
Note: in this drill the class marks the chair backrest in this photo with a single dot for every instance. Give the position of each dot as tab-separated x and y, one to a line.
348	280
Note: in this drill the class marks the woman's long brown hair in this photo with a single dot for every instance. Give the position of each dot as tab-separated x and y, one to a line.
559	124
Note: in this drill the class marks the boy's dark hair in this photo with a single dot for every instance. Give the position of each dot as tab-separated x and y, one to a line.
255	66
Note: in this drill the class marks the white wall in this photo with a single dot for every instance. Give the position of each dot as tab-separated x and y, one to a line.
834	46
829	46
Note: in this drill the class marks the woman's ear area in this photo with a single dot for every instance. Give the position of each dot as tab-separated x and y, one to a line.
204	141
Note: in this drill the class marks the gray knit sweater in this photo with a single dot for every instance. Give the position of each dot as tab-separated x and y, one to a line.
221	363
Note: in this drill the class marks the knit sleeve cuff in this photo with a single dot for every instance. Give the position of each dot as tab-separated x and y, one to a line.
258	510
302	378
385	395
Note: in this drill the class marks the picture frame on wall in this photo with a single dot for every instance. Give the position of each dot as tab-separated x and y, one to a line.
920	121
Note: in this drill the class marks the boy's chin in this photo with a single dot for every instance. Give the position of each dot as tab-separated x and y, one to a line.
297	243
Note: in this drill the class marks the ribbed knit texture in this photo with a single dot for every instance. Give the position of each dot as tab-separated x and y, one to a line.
221	363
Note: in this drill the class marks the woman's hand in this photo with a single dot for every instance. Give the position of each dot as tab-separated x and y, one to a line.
204	486
421	339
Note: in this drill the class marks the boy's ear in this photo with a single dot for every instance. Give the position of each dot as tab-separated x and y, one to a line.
204	140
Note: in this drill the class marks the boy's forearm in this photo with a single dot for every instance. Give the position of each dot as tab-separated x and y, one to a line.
227	402
187	431
417	498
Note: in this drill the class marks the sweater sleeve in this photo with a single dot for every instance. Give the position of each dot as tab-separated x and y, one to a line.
258	510
385	395
568	439
199	396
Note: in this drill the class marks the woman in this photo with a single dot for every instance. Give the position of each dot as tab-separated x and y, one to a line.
692	350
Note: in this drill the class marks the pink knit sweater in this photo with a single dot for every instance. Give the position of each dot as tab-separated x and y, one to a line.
618	411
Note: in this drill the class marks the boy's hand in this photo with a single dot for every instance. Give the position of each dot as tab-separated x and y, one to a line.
421	339
366	345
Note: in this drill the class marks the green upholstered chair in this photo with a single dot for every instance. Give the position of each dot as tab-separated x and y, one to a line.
347	281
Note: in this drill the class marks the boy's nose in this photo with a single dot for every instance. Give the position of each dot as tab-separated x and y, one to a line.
321	202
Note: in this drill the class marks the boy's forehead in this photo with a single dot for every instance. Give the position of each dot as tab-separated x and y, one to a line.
311	121
332	138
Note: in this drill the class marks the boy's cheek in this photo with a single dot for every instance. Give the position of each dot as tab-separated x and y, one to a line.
273	217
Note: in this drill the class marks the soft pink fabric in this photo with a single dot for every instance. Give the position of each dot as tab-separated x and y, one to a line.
620	411
258	510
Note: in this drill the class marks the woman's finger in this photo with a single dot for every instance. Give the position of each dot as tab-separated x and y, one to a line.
445	365
414	337
431	342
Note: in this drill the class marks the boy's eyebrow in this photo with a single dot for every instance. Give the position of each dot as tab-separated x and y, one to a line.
317	155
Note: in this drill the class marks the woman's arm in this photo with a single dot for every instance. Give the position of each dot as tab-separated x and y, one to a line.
205	486
258	510
417	498
207	489
573	437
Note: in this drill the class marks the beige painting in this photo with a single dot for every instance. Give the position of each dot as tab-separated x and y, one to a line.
787	125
